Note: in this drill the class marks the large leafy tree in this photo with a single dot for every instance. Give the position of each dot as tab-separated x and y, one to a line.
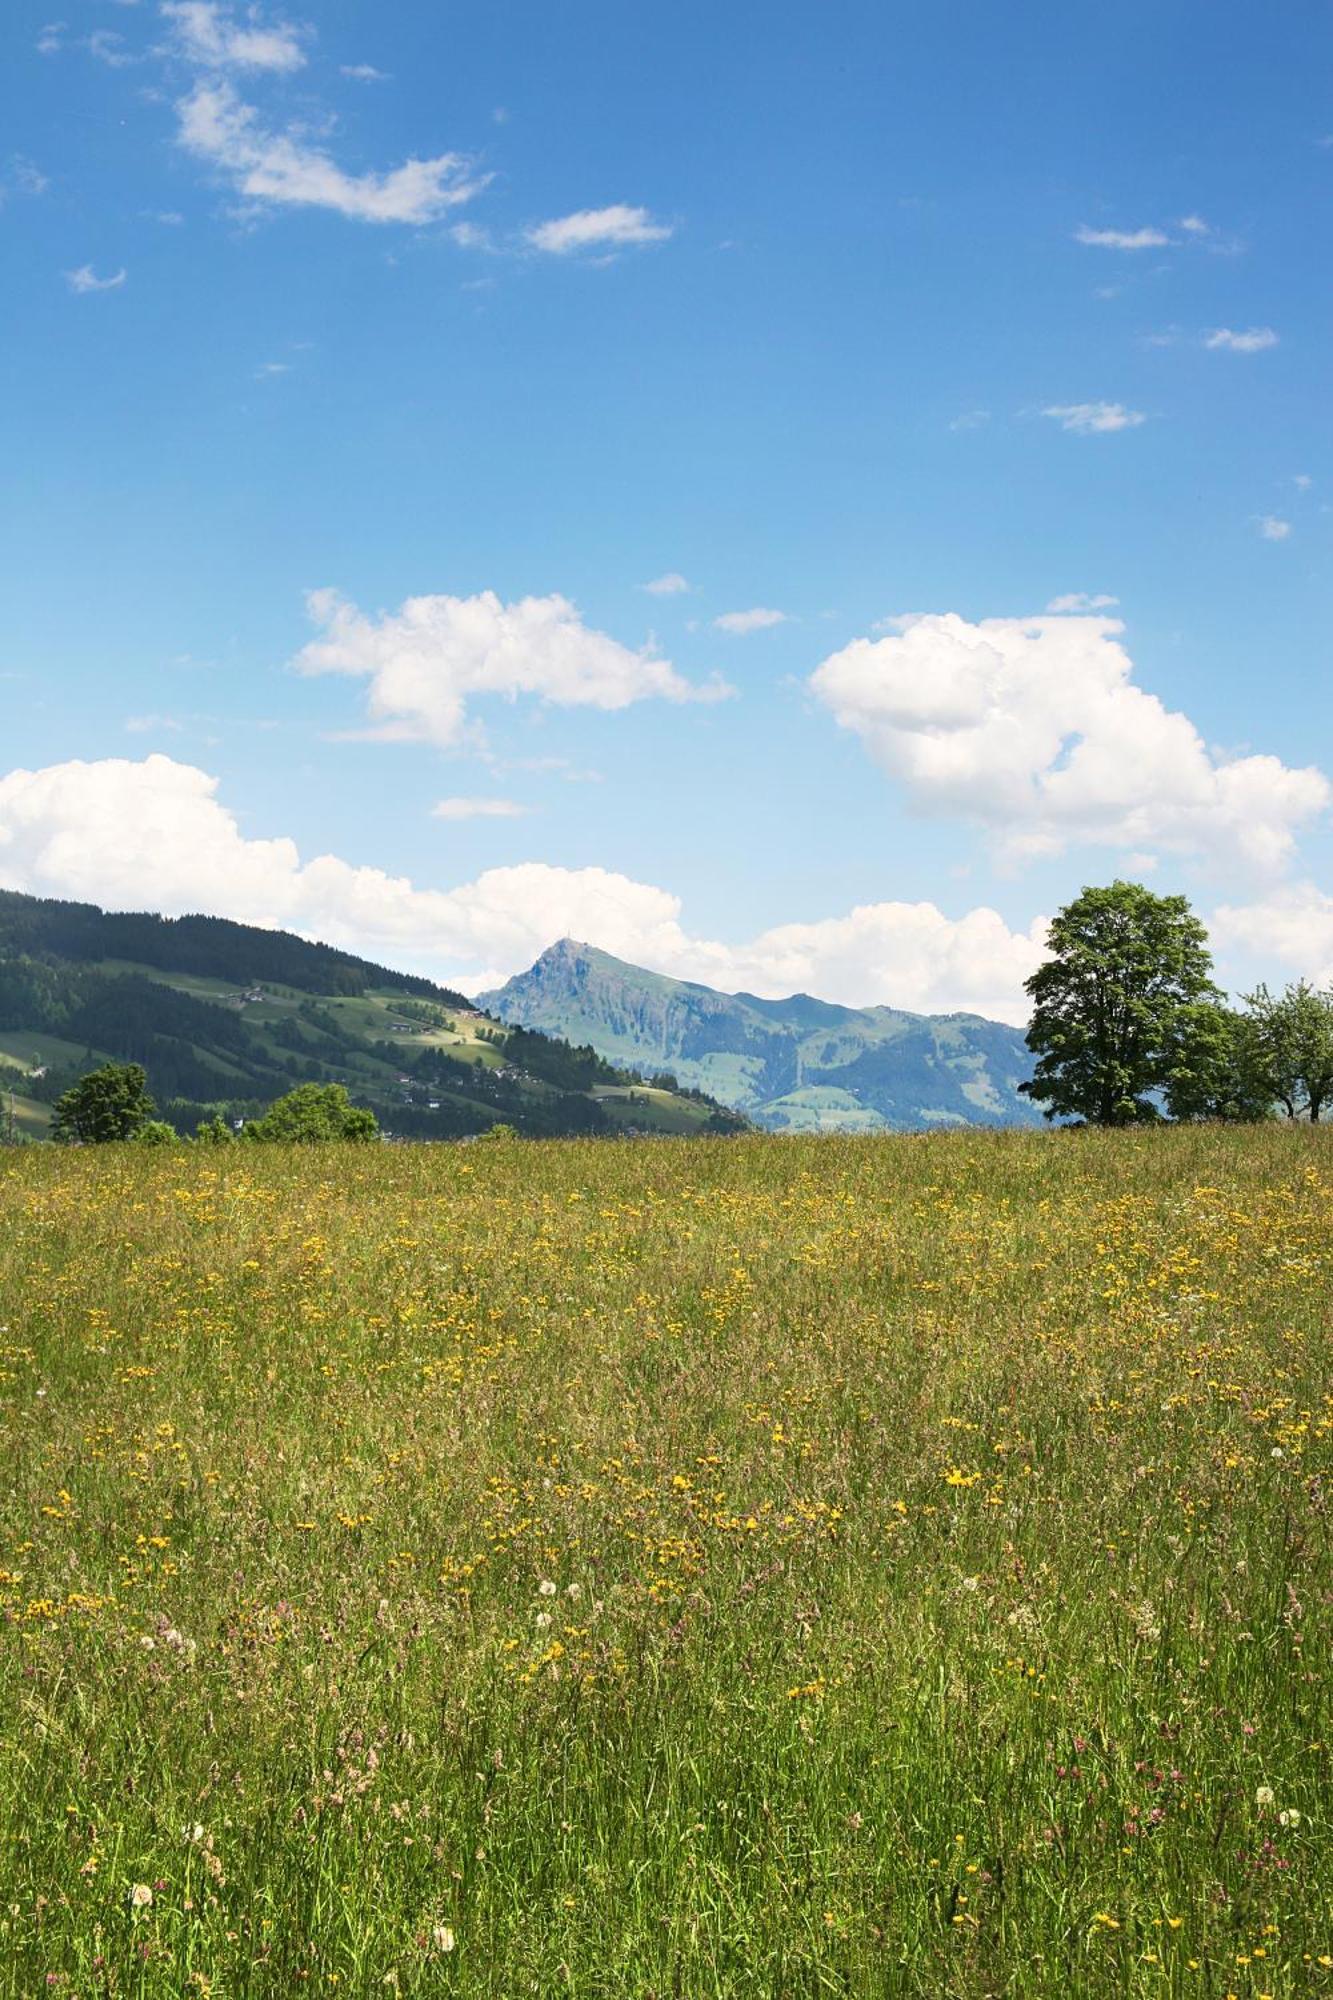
1111	1004
1293	1033
314	1114
108	1104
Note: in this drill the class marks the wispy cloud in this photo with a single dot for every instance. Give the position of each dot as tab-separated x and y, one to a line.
51	40
364	73
268	371
970	420
673	584
616	228
1252	341
1122	239
23	178
152	725
1194	225
759	619
1080	601
456	809
208	34
85	279
1272	528
109	47
1092	419
275	169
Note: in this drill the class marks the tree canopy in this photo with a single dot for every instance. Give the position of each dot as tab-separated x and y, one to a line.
314	1114
108	1104
1293	1044
1114	1004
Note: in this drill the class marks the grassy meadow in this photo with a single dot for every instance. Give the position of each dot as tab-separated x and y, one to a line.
772	1567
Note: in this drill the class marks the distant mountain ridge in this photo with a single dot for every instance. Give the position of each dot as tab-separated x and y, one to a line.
799	1064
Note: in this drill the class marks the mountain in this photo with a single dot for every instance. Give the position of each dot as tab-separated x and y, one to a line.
793	1065
226	1017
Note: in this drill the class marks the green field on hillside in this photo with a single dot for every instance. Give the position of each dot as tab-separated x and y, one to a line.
774	1568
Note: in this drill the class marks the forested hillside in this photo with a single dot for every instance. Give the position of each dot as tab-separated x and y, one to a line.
225	1017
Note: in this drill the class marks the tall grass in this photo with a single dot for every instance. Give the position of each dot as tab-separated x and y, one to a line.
765	1568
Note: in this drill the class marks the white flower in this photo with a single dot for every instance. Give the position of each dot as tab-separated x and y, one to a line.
545	1588
1289	1818
573	1590
1277	1452
442	1938
1264	1796
141	1896
543	1620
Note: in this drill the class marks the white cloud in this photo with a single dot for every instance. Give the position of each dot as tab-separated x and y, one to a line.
286	169
1194	225
154	835
1035	729
971	420
1121	239
1253	340
673	584
759	619
612	228
24	177
51	40
1294	926
427	661
364	73
1079	600
1273	528
150	725
85	279
1089	419
108	47
454	809
207	34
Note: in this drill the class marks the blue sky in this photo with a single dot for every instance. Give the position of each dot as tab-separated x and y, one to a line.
480	320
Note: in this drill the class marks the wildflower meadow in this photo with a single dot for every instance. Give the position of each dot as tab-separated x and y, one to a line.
765	1567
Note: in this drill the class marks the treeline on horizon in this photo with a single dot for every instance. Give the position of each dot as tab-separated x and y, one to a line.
203	947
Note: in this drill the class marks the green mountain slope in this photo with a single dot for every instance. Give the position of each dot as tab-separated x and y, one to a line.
226	1017
795	1065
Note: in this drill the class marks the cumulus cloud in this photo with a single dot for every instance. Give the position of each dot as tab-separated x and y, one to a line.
759	619
1273	528
1035	729
155	835
455	809
425	662
1253	340
208	34
1293	926
1079	600
1088	419
615	228
286	169
1121	239
85	279
673	584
